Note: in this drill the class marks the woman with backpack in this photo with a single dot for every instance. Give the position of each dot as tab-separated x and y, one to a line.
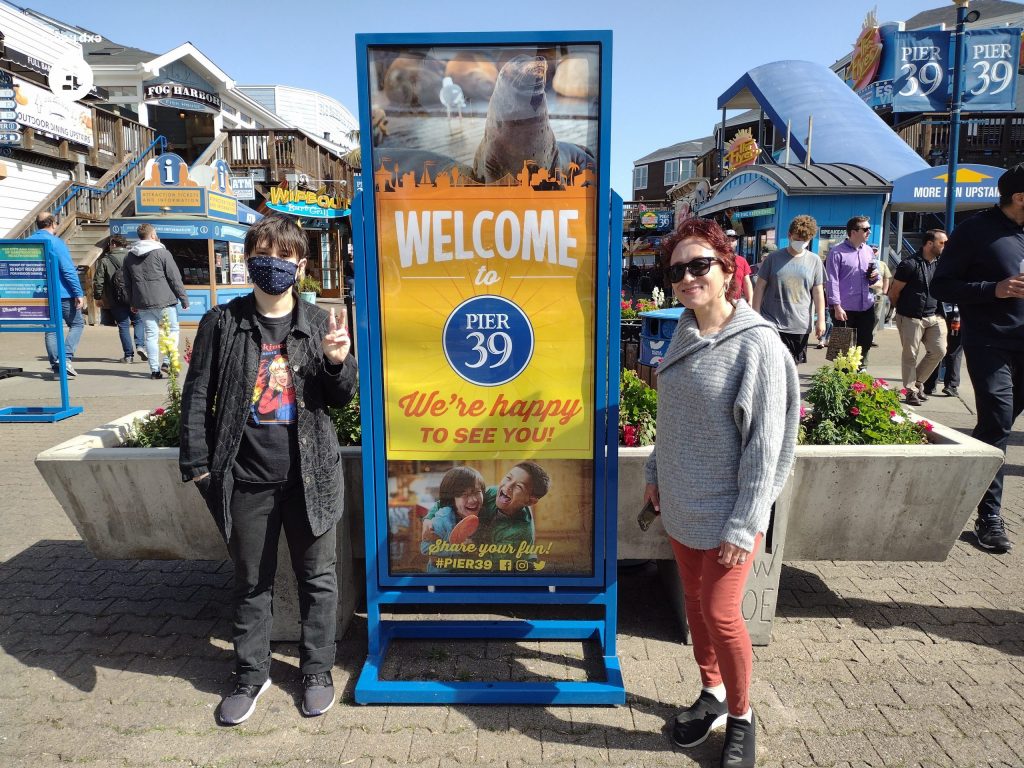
108	286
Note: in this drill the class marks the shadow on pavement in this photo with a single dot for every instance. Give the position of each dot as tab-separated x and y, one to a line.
804	594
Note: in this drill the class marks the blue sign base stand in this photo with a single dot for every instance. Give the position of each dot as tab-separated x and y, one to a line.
371	689
41	414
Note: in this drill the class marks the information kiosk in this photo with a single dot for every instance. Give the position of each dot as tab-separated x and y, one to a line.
489	371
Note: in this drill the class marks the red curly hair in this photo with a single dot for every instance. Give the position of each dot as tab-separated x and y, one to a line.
705	231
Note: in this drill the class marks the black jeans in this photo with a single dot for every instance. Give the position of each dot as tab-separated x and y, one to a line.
998	379
864	322
259	512
951	362
796	343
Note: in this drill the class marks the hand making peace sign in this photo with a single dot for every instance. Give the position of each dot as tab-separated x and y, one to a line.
336	343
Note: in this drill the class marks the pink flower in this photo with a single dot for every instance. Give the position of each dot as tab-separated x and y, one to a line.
903	391
858	386
926	425
159	412
803	412
629	435
855	411
880	383
892	413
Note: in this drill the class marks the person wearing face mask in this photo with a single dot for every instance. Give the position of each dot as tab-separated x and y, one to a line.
257	440
789	282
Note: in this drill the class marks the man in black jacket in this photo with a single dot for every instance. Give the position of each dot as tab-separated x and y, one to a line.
981	271
107	283
259	443
917	315
154	290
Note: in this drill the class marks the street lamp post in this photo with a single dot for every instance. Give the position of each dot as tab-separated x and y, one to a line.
954	110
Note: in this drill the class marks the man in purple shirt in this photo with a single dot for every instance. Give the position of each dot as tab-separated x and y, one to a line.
850	270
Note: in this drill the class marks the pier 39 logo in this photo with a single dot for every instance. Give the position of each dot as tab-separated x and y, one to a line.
488	340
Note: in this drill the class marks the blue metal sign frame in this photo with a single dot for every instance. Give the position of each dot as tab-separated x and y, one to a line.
54	323
384	590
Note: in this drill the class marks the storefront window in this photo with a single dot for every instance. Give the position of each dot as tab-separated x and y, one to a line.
193	260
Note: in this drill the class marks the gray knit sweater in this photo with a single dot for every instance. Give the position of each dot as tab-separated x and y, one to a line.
728	413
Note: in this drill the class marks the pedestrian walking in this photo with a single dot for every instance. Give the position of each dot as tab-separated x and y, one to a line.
72	297
790	286
154	290
258	441
982	272
950	365
110	287
917	315
850	271
742	285
728	412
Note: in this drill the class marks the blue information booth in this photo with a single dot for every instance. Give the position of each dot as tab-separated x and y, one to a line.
30	303
486	337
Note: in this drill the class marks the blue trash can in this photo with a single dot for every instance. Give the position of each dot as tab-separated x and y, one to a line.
656	333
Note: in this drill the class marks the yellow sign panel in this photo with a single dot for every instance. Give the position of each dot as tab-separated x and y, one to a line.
222	204
488	320
170	198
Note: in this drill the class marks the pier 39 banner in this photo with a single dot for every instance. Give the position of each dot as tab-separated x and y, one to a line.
485	185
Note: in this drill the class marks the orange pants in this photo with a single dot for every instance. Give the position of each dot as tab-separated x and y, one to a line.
721	645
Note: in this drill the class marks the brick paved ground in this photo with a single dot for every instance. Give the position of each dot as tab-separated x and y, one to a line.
122	663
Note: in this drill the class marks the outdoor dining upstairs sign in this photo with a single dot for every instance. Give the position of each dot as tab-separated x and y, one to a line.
483	253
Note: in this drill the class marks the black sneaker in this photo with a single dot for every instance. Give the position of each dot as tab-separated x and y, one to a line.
950	392
739	750
127	360
991	534
913	398
317	693
142	354
165	367
923	393
239	706
693	725
156	375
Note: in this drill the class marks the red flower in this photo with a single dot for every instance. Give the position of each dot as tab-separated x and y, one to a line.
880	383
629	435
858	386
892	413
926	425
159	412
855	411
903	391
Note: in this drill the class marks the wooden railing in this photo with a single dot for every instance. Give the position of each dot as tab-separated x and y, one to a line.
215	151
283	152
72	203
114	138
995	141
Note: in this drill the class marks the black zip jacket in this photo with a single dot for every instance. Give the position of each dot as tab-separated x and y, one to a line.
985	249
217	394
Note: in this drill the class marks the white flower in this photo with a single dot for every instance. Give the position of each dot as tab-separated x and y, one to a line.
657	296
897	419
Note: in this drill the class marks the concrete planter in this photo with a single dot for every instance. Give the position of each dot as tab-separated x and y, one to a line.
130	503
891	502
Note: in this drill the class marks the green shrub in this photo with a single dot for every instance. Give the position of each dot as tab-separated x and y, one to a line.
638	411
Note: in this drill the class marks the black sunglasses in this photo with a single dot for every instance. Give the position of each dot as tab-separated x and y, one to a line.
862	229
697	267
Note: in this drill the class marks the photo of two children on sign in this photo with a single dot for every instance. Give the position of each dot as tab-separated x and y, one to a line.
446	517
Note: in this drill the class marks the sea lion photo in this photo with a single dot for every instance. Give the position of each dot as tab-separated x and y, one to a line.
517	131
414	82
474	73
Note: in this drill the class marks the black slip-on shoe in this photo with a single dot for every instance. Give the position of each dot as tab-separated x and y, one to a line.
740	748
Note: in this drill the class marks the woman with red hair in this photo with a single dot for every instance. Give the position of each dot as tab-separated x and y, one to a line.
728	410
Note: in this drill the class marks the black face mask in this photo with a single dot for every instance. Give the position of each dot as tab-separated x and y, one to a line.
271	275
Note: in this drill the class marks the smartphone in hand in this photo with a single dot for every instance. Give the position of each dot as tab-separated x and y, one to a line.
646	516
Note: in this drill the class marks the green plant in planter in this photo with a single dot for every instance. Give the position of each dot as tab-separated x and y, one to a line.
309	284
851	408
347	423
638	411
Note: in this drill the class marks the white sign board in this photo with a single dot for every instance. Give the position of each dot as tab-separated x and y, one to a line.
243	187
43	111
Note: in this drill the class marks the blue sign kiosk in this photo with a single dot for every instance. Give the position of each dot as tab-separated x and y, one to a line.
30	303
488	373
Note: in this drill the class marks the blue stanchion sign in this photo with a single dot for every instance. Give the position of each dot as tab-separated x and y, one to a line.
30	303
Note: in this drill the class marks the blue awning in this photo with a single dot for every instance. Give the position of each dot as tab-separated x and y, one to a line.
846	130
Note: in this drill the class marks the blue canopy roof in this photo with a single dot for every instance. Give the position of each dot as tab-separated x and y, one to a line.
846	130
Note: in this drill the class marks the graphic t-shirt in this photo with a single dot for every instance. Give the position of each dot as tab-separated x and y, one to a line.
269	451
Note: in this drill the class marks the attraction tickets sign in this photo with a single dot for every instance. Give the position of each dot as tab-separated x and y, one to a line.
486	166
